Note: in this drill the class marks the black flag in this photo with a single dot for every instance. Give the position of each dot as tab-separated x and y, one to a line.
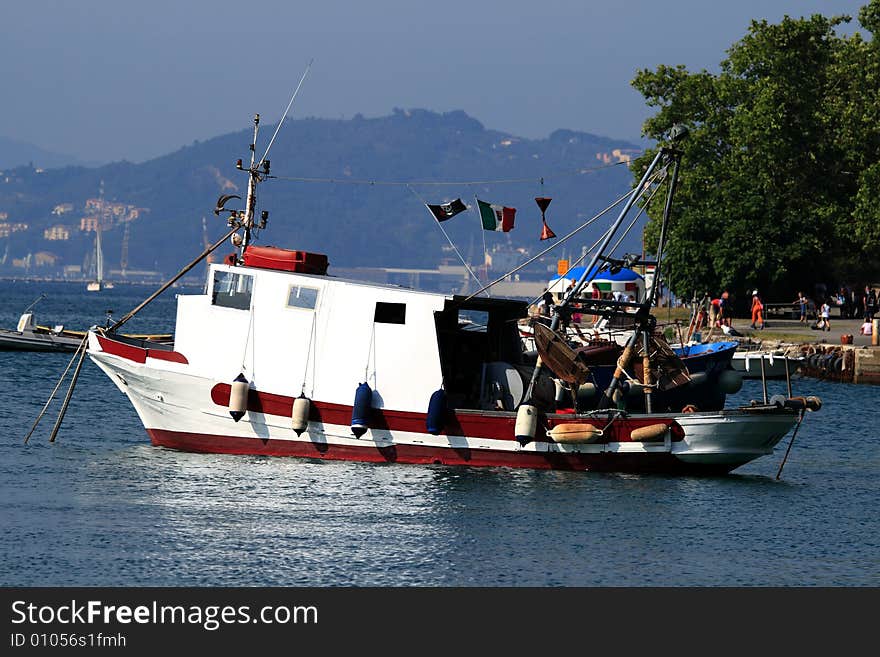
446	211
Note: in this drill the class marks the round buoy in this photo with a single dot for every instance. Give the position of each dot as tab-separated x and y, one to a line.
574	433
238	397
360	412
587	391
436	412
299	416
526	423
730	381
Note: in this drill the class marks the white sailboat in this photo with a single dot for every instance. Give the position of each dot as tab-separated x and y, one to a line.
99	283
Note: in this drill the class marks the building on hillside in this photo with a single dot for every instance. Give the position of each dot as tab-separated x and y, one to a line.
45	259
7	228
62	208
57	233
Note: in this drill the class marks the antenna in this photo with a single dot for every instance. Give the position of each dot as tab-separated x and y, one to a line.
257	172
36	301
284	116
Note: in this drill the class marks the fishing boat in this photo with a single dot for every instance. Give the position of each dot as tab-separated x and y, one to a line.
312	365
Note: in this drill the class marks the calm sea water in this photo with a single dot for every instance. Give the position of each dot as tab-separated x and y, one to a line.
102	507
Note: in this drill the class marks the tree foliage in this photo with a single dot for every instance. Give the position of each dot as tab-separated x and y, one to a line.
781	170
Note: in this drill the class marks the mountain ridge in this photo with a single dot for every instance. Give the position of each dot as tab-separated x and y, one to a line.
432	156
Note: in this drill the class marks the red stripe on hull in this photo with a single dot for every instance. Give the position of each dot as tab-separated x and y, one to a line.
172	356
425	455
138	354
472	424
123	350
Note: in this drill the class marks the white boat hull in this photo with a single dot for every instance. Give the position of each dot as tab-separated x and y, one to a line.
749	365
184	411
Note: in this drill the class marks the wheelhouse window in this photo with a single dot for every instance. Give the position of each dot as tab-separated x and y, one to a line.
390	313
232	290
302	297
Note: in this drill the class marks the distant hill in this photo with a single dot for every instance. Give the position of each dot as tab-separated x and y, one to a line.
354	224
14	153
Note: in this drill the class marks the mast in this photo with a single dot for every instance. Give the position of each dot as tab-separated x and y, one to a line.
123	258
253	178
99	255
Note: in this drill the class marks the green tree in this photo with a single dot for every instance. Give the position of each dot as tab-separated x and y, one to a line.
782	166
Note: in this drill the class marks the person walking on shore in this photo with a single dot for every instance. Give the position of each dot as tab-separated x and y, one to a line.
802	304
757	311
826	316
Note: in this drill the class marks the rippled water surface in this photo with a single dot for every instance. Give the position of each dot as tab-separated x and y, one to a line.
101	506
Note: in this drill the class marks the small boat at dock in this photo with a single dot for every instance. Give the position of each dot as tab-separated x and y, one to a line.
776	363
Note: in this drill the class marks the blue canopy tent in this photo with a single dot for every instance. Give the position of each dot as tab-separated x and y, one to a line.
626	281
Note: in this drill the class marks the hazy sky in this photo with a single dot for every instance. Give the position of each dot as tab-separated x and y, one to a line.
118	79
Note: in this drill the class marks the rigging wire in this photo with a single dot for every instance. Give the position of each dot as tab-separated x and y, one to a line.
561	241
588	251
428	183
308	358
483	235
446	235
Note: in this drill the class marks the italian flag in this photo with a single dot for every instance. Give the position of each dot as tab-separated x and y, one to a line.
496	217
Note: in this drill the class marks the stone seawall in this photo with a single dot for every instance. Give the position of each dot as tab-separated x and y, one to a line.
844	363
867	365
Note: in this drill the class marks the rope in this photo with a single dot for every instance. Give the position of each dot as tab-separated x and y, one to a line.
552	246
602	236
247	340
572	234
448	239
370	349
436	183
308	358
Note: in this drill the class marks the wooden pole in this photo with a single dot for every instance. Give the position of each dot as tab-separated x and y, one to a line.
790	443
55	391
127	317
67	397
763	379
173	280
646	373
787	376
